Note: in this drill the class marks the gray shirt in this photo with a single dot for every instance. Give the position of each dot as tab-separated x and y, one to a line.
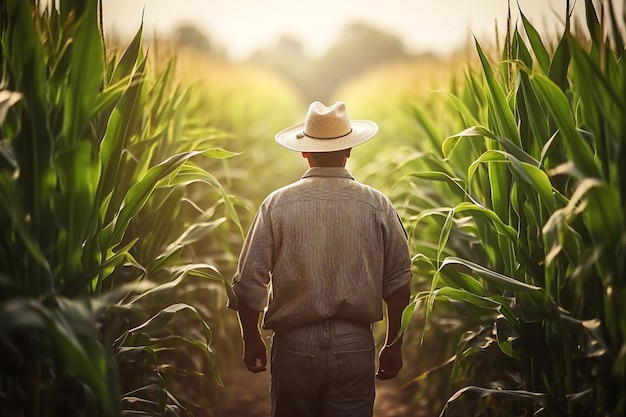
325	246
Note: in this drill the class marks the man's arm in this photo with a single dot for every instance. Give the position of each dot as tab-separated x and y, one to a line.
390	357
254	349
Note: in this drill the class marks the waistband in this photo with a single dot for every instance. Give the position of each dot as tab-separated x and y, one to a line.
358	323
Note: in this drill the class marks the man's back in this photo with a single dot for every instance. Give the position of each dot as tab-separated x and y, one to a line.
329	234
328	250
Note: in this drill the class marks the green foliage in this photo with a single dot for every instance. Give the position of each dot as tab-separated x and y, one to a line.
104	197
519	221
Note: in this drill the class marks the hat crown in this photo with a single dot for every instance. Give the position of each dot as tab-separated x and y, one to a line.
324	122
326	129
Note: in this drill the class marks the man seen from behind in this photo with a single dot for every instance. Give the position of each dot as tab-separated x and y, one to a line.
321	256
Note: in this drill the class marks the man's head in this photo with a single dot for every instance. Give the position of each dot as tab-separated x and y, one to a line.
326	129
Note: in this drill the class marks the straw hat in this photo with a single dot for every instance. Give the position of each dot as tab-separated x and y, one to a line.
326	129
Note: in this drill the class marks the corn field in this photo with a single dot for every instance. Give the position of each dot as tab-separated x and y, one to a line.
105	188
523	210
126	190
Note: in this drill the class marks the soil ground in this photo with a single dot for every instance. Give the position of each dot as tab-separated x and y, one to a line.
247	395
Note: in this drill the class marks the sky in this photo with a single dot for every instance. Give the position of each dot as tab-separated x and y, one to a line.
243	26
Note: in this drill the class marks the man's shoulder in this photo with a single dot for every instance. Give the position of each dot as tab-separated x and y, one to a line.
372	192
305	190
282	193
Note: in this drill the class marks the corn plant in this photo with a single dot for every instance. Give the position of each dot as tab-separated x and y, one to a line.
104	305
538	200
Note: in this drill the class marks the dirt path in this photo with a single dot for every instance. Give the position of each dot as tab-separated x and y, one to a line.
247	395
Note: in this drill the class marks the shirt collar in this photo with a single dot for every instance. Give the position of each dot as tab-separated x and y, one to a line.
327	172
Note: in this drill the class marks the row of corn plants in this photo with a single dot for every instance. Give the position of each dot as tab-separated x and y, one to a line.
108	294
518	224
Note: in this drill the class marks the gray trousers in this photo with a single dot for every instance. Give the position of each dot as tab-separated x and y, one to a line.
324	369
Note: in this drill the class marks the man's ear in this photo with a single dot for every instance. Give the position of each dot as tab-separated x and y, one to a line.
305	155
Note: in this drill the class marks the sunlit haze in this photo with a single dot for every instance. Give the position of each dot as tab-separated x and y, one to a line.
243	26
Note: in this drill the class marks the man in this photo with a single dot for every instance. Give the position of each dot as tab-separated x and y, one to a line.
328	250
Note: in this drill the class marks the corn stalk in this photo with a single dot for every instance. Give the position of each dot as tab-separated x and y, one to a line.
538	176
104	305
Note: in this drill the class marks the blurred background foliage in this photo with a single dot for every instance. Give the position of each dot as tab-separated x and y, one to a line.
130	172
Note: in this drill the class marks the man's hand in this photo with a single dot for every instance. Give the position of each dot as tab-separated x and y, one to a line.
254	349
390	357
389	361
255	355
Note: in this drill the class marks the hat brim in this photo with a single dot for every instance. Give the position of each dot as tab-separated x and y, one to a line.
292	138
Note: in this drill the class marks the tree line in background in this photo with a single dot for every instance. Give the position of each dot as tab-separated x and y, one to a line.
360	48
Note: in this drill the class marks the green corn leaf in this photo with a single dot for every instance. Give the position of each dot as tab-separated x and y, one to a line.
202	270
603	213
559	236
505	335
121	126
524	397
456	185
429	127
87	60
543	59
194	233
482	212
139	194
161	106
450	143
444	235
521	56
179	276
559	66
469	119
594	27
11	205
71	329
407	315
500	281
499	184
23	55
509	316
110	155
599	84
24	50
113	259
539	141
536	306
499	105
456	279
129	59
78	177
110	95
189	173
158	321
219	153
537	179
556	101
484	304
486	157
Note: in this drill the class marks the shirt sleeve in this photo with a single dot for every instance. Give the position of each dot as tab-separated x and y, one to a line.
251	281
397	266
